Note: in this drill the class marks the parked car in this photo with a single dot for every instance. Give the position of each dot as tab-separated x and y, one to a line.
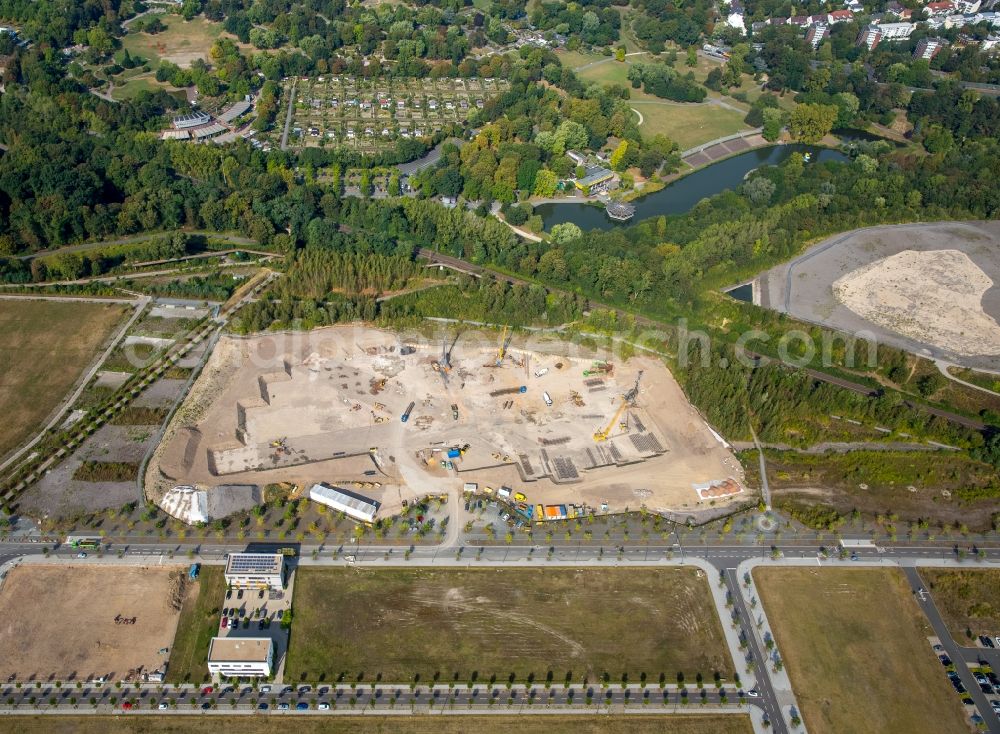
324	706
265	689
283	707
81	554
753	693
302	705
945	660
229	594
996	706
262	706
986	641
239	594
260	594
163	706
126	706
207	690
206	706
225	622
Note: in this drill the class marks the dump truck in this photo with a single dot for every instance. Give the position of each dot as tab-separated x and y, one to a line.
406	413
454	411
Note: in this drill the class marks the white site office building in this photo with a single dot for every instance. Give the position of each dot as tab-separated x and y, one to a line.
351	504
241	657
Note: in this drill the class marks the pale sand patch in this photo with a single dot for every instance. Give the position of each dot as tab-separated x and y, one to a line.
935	297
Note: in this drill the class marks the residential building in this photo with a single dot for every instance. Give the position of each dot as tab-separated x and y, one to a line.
351	504
869	37
816	33
928	48
895	31
241	657
940	8
255	570
839	16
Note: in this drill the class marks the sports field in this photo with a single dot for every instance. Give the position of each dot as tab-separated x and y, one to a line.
199	622
453	625
45	346
195	724
855	645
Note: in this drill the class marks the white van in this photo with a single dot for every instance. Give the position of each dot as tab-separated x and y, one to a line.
542	371
547	399
470	487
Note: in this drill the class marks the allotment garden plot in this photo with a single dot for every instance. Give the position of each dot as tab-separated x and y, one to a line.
372	114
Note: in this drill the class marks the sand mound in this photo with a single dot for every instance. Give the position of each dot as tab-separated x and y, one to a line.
935	297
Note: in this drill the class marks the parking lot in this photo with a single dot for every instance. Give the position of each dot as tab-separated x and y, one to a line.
258	613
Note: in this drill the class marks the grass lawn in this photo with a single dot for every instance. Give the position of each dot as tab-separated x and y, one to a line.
142	83
452	625
574	59
690	124
967	599
45	346
854	643
198	624
182	42
686	124
371	724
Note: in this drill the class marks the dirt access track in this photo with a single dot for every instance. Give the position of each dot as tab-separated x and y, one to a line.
931	289
326	406
59	621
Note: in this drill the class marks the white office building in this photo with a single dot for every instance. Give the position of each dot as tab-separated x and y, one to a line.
255	570
241	657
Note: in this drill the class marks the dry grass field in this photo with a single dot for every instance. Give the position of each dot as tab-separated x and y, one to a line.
44	348
199	622
181	43
854	643
680	724
60	621
967	600
452	625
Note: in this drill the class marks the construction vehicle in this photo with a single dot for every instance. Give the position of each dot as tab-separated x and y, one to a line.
602	435
454	411
599	368
628	401
406	413
504	343
632	394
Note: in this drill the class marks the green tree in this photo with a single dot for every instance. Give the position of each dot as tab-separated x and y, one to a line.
565	232
773	121
810	122
618	155
546	182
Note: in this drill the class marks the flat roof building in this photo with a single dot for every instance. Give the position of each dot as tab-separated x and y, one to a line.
255	570
241	657
351	504
594	175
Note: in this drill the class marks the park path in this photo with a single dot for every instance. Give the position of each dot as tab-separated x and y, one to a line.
943	366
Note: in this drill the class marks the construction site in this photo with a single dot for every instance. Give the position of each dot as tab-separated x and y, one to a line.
393	418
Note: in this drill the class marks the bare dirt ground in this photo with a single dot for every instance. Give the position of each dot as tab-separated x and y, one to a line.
305	408
60	620
928	296
931	289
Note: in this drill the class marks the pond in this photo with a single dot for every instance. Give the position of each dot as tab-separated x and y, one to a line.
742	292
684	193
